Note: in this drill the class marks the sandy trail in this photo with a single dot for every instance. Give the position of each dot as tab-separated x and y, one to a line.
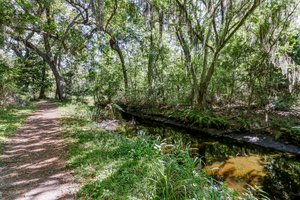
33	162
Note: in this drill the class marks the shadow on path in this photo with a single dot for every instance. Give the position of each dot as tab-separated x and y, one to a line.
33	162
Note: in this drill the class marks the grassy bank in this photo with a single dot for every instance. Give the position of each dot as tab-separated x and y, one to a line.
118	165
11	118
283	126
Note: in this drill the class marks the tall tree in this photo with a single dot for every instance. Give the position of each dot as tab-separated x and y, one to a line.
219	22
42	27
104	14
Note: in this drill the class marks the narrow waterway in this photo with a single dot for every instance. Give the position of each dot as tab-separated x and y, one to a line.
238	165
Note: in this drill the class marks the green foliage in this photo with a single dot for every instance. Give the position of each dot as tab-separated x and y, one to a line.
22	76
295	43
285	129
29	77
284	103
126	166
164	61
277	123
106	86
243	123
7	84
202	118
170	53
11	118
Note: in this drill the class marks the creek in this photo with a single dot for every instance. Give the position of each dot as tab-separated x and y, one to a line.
237	165
271	166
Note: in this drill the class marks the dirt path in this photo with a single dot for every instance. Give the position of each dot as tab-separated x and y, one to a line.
32	164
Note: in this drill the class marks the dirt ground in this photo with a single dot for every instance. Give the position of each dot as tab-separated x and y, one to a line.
32	165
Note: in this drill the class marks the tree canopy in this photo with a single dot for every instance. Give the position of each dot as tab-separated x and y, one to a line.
189	52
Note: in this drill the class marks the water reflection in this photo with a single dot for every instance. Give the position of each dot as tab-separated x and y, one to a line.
238	172
238	166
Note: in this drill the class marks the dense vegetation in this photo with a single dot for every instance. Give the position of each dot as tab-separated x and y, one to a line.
197	53
125	165
223	64
186	56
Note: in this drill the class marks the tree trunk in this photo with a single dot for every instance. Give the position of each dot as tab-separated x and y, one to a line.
60	86
151	60
205	81
42	94
202	95
115	46
189	64
150	68
124	70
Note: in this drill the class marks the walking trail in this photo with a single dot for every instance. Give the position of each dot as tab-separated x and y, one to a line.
33	162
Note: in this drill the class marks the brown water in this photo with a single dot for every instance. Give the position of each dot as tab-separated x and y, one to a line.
238	172
238	166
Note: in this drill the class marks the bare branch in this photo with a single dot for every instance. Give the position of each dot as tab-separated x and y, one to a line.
112	14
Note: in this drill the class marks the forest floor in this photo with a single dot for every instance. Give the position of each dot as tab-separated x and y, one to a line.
32	165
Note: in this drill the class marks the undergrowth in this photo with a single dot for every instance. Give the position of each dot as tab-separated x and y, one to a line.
11	118
119	165
201	118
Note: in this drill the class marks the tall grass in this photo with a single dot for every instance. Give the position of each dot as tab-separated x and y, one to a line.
114	165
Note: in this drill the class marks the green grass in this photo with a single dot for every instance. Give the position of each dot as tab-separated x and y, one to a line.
123	166
11	118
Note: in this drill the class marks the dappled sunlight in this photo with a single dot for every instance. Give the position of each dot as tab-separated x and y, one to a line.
33	160
109	125
11	118
159	99
107	171
28	181
109	164
43	163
